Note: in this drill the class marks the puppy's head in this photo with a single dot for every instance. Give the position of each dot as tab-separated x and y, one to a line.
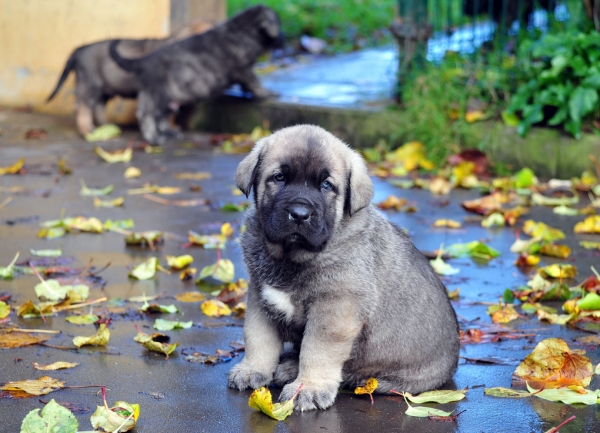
305	182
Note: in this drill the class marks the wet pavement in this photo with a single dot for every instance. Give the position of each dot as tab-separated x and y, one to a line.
179	396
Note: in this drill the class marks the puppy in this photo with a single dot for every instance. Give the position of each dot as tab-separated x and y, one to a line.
330	275
200	67
99	78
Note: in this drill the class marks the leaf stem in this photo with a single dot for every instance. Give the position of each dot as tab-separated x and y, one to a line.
568	420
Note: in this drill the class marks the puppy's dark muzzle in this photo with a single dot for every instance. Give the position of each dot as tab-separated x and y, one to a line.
299	213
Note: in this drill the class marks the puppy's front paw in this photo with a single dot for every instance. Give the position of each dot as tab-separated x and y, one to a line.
311	396
287	371
244	376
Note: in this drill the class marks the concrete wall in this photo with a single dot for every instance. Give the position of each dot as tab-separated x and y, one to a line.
37	37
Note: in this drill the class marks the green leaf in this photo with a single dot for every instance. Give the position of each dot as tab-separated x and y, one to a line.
168	325
145	270
51	290
82	319
46	253
54	419
591	301
565	395
103	133
121	417
508	296
439	396
592	81
51	233
423	411
505	392
559	117
495	219
85	191
510	119
441	267
524	178
119	224
473	249
565	210
7	273
221	272
582	102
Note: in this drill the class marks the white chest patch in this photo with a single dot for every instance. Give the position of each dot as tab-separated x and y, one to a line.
279	300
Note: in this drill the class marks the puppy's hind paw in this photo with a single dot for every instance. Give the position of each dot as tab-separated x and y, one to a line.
311	396
242	376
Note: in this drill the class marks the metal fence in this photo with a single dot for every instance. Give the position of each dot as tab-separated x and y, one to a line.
427	29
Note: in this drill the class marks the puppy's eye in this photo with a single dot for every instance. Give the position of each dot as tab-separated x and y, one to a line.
279	177
326	185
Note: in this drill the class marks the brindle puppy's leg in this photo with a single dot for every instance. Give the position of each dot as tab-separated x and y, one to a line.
250	83
84	119
330	332
263	347
99	109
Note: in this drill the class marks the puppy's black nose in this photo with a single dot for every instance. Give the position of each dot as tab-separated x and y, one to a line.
299	213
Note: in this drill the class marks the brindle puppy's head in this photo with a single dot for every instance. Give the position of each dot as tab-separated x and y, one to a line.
305	182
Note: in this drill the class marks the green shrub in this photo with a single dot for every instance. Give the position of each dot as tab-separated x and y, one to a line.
560	83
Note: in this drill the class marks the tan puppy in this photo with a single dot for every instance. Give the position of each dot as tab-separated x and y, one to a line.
330	275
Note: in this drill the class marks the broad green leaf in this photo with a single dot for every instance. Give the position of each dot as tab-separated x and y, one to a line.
221	272
99	339
51	290
506	392
82	319
582	102
121	417
168	325
520	245
524	178
591	301
46	253
474	249
565	395
261	400
145	270
103	133
53	418
439	396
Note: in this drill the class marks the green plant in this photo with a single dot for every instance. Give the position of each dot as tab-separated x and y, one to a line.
561	79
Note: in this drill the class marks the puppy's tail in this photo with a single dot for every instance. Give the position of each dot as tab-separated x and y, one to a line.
65	73
130	65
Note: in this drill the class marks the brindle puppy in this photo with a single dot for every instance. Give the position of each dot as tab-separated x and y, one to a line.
331	275
201	67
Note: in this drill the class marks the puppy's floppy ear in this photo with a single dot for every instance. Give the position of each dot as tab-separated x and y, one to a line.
249	168
359	189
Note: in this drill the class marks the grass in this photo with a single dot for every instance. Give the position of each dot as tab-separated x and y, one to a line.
346	25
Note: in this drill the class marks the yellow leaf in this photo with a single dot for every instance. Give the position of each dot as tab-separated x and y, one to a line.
558	271
392	202
202	175
132	172
502	313
156	342
451	224
439	186
369	388
12	169
409	154
121	155
190	297
473	116
40	386
589	225
553	365
553	250
261	400
544	231
99	339
179	262
109	203
215	308
60	365
227	230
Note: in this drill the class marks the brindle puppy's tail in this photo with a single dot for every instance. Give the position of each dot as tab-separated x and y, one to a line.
65	73
130	65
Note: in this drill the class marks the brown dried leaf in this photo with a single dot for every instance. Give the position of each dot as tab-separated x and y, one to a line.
41	386
10	340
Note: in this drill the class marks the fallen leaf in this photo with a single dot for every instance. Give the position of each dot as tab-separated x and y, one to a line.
474	249
589	245
40	386
29	309
495	219
179	262
440	186
52	290
558	271
10	340
148	238
121	155
554	250
520	245
145	270
215	308
190	297
157	308
12	169
118	224
121	417
589	225
99	339
565	210
53	418
452	224
116	202
4	310
542	200
168	325
369	388
207	241
565	395
489	203
82	319
424	412
103	133
261	400
543	231
555	319
59	365
502	313
438	396
552	364
132	172
591	301
156	342
506	392
188	274
441	267
85	191
148	189
221	272
202	175
46	253
7	273
525	260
